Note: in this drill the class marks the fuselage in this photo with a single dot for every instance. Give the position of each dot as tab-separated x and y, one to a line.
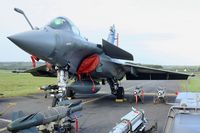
60	43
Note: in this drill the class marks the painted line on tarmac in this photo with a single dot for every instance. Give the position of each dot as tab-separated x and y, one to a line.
153	94
5	120
96	99
133	86
3	129
148	94
172	104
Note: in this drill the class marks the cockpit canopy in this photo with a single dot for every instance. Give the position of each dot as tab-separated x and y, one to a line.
62	23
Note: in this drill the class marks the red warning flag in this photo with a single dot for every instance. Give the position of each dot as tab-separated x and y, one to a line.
177	92
34	59
76	122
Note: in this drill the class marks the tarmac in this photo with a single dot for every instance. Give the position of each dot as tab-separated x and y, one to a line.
100	111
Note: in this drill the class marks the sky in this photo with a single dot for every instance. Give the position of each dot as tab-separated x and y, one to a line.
162	32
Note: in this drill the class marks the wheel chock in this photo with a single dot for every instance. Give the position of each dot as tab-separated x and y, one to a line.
69	98
120	100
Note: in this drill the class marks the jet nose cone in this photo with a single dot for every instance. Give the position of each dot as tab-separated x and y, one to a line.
39	43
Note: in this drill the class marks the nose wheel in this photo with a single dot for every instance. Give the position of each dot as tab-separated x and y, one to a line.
70	93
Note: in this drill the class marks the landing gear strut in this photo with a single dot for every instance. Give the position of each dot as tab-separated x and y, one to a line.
62	89
62	76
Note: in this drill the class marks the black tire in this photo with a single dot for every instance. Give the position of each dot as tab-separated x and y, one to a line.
45	96
71	130
143	131
166	100
155	100
163	100
142	99
54	102
120	93
70	93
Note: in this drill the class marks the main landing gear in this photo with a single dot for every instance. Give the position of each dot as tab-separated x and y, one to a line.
120	93
116	90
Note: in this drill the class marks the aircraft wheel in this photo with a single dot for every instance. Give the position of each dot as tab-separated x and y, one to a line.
70	93
45	96
120	93
54	102
143	131
166	99
155	100
142	100
70	130
163	100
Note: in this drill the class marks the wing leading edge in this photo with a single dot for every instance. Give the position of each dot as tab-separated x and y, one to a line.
42	72
133	72
138	72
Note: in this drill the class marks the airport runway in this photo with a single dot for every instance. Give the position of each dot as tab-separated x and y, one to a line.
100	112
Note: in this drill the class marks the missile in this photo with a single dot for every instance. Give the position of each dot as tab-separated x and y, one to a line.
42	118
134	121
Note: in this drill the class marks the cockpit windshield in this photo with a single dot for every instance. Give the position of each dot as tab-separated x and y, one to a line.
59	23
65	24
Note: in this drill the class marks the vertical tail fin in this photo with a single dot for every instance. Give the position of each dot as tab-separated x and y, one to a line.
112	36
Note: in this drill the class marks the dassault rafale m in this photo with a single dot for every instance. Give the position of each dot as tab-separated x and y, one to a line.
80	65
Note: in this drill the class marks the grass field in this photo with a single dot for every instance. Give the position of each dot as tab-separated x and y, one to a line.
193	85
21	84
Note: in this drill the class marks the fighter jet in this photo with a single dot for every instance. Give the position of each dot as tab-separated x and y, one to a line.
80	65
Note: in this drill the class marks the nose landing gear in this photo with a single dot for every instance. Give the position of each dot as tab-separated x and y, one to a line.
63	89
